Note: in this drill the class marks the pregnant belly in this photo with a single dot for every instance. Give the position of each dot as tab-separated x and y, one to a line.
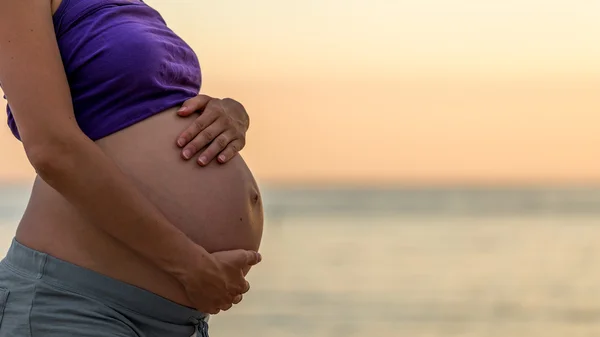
218	206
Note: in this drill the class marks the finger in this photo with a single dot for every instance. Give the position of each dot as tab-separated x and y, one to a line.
248	258
242	288
194	104
202	139
226	301
236	288
253	258
245	288
202	122
231	150
238	285
226	307
212	311
216	146
238	299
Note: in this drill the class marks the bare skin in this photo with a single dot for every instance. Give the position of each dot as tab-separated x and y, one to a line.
127	206
218	206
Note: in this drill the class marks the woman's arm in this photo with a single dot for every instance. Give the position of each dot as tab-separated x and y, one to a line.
33	78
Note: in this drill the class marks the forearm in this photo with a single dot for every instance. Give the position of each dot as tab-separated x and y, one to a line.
79	170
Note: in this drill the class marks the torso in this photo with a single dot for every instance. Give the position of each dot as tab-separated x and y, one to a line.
217	206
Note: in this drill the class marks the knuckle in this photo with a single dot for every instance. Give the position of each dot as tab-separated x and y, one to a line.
222	141
216	105
219	105
228	121
199	123
198	144
208	135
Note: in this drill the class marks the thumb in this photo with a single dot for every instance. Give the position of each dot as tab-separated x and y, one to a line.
193	104
250	258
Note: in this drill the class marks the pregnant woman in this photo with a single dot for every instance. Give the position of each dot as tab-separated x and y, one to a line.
122	235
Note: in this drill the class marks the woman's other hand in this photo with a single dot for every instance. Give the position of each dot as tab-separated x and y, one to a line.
221	125
218	285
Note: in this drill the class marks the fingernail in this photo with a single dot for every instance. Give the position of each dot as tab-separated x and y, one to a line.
222	158
182	109
202	160
181	141
187	154
259	257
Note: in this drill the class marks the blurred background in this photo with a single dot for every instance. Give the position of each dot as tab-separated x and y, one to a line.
428	168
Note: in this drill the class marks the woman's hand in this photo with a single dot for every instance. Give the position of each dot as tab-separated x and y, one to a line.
221	126
218	282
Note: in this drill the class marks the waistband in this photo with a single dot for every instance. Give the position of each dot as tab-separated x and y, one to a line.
90	283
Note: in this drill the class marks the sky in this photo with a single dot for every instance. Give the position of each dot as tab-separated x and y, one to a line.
396	91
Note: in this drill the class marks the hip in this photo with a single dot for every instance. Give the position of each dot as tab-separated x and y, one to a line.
44	296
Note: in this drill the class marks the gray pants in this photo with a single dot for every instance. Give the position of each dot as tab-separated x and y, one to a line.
42	296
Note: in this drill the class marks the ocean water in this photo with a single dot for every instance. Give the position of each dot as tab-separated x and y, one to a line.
415	262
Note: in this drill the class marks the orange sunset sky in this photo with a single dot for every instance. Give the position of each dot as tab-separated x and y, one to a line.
428	91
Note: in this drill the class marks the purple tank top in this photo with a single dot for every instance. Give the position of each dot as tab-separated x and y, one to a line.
122	62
